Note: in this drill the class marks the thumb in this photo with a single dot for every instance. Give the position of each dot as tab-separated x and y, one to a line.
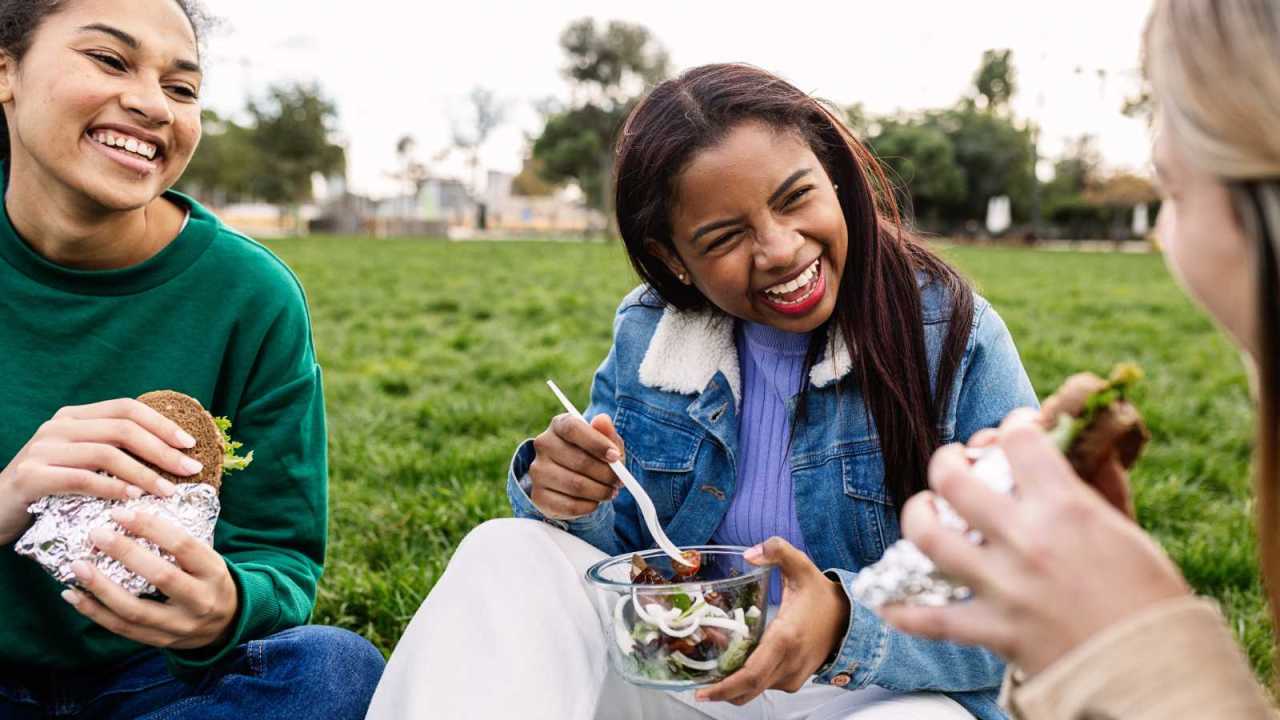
775	551
604	425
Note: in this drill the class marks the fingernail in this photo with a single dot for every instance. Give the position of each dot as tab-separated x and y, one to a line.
133	491
191	466
100	536
615	493
81	569
753	553
613	455
71	596
185	440
166	487
122	515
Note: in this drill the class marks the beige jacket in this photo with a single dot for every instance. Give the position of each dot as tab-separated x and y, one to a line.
1176	660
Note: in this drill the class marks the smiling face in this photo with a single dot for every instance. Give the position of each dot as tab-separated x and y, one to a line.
1205	246
105	102
757	228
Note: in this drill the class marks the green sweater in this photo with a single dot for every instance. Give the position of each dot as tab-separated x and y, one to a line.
214	315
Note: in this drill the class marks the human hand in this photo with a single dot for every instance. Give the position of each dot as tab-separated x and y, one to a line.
1058	563
1111	479
201	595
810	626
570	472
96	450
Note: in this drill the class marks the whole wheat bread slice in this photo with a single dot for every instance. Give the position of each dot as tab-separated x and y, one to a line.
191	416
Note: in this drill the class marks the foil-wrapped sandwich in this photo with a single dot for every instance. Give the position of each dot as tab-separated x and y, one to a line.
59	536
1090	419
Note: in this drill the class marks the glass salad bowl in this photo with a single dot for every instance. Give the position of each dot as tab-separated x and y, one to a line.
672	628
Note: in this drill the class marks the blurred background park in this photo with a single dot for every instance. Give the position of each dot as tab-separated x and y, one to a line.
438	178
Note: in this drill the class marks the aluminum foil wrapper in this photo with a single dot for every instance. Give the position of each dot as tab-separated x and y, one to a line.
906	575
60	534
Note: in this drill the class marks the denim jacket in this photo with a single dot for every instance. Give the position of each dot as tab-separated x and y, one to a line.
671	383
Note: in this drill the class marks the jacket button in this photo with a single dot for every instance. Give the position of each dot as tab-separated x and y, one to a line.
841	680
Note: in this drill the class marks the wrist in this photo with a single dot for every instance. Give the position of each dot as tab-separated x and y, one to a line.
840	617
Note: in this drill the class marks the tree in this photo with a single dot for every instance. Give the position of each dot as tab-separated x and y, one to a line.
995	155
412	171
223	167
608	68
531	181
485	114
292	136
923	164
995	80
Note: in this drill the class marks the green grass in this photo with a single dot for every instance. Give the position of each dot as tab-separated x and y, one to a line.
435	356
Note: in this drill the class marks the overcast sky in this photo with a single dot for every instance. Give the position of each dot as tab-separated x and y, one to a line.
399	67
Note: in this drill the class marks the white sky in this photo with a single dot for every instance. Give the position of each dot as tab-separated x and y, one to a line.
398	67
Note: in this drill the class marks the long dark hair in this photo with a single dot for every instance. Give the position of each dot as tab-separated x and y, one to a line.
878	307
19	20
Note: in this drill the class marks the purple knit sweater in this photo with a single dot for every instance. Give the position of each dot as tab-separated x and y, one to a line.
772	363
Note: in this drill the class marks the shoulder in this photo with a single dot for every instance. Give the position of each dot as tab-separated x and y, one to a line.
639	312
246	267
938	302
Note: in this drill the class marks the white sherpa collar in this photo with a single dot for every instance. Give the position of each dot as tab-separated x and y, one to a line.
689	347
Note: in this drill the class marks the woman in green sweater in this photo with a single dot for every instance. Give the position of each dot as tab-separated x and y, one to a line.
112	285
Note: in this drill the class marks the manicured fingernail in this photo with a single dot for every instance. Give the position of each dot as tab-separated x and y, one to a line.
122	515
615	493
71	596
191	466
133	491
753	553
81	570
185	440
613	455
166	487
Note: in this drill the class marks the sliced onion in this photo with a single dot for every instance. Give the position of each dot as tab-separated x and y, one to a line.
694	664
727	623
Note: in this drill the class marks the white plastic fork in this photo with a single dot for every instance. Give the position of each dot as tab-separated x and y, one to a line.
637	490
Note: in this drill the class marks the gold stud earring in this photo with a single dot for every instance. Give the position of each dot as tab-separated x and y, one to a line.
681	276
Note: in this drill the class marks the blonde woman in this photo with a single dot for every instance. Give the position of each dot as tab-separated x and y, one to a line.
1095	619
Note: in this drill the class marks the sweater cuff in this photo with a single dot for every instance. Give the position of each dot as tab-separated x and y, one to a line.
1174	660
257	607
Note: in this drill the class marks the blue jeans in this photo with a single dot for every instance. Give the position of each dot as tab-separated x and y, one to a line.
304	672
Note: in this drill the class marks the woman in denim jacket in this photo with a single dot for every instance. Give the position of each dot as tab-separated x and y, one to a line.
731	390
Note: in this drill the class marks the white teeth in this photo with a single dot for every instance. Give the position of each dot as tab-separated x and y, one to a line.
124	142
800	281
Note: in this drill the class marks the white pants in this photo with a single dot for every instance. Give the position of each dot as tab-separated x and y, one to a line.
510	631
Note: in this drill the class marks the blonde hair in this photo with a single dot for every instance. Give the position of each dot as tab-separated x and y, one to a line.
1214	68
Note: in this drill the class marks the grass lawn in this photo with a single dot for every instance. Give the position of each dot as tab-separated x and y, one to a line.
435	356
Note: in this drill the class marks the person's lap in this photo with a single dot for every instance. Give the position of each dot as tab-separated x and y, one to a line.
533	575
311	671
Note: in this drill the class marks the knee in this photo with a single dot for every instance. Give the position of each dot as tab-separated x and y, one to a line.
493	540
334	670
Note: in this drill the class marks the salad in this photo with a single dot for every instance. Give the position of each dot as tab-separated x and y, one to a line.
692	626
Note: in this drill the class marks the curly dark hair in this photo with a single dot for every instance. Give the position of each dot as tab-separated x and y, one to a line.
19	20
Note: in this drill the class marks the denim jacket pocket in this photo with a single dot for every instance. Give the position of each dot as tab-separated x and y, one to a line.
661	453
874	512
